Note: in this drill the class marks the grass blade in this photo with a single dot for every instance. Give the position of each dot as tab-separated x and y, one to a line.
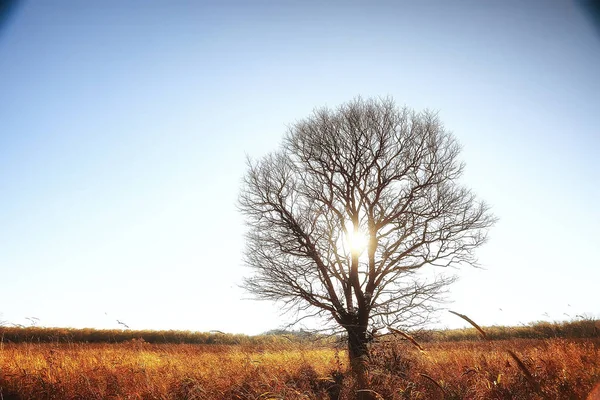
406	336
527	374
435	382
470	321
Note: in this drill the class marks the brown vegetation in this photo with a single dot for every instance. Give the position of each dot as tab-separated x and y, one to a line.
88	335
583	328
561	368
138	370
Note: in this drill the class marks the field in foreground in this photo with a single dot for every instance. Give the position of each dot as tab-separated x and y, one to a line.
559	369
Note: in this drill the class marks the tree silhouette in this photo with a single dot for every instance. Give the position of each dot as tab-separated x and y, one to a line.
365	170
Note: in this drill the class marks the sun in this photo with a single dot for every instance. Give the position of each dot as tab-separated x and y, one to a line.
356	240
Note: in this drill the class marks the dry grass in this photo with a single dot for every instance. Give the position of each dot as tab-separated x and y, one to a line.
144	371
563	369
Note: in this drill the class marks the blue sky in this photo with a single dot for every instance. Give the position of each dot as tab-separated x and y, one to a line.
125	125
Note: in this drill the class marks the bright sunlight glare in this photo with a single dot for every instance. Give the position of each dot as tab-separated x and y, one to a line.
356	240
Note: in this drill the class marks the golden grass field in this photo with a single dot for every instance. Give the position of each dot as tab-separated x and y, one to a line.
474	369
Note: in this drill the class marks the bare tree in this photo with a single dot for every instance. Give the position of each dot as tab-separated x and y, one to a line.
345	216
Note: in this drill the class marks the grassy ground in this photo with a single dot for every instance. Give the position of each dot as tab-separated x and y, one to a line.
551	368
548	368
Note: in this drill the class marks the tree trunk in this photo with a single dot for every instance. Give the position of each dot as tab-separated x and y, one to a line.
358	352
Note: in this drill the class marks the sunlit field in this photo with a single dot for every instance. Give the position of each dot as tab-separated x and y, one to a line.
283	367
142	371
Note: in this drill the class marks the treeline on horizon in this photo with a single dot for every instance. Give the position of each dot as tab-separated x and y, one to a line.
583	328
586	328
91	335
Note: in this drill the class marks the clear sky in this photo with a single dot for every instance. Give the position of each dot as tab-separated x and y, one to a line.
124	128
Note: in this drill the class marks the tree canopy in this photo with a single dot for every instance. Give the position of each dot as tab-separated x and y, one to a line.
354	204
